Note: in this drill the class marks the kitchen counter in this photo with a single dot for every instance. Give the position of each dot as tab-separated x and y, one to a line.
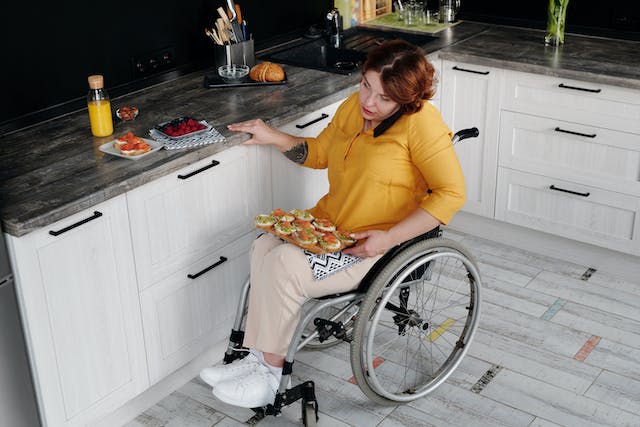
54	169
594	59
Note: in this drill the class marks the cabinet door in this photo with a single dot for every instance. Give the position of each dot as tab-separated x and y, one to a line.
193	309
81	313
185	216
294	186
470	98
568	209
437	65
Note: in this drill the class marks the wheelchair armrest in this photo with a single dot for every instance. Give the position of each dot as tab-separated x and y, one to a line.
373	271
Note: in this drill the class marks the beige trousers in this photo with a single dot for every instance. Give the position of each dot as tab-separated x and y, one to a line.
281	281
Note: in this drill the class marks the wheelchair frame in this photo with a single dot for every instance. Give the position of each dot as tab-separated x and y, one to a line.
373	289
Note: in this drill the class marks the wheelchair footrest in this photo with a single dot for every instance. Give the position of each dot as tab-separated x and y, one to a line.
305	391
327	328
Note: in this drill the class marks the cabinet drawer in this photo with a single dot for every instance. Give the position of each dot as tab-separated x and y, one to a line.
183	316
186	215
564	208
313	123
575	101
590	155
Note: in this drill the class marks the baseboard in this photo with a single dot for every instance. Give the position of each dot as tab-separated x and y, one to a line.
619	264
160	390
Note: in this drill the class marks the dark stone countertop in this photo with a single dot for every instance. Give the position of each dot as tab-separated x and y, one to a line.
54	169
592	59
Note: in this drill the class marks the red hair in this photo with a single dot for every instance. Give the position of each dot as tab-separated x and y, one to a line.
406	75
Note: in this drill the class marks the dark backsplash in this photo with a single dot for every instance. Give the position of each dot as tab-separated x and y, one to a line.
53	46
615	19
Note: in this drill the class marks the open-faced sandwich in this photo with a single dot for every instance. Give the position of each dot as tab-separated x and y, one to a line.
265	221
329	242
282	215
317	235
324	224
131	145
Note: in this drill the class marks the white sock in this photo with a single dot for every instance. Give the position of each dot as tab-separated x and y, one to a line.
258	355
275	371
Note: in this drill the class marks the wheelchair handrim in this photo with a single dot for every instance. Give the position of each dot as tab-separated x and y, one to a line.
454	360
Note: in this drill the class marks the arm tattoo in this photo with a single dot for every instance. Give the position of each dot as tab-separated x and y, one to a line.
298	153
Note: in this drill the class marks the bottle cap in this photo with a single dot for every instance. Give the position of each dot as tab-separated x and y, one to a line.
96	81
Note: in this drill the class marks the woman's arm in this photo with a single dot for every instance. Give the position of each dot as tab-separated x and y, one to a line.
294	147
378	241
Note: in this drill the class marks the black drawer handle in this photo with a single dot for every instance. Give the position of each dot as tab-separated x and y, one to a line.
322	117
586	135
553	187
484	73
95	215
202	169
584	89
211	267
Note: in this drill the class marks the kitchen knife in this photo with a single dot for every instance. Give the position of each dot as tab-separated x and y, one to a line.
235	26
238	14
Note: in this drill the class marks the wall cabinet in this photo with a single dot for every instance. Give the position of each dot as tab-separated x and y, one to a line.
77	289
470	98
296	187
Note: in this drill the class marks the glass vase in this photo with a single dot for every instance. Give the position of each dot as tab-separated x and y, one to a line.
555	22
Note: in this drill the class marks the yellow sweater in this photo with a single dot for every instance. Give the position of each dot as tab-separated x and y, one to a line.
376	182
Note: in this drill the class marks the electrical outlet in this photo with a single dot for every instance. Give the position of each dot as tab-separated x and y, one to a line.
149	63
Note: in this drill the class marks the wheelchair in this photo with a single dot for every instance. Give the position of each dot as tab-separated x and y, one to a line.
409	323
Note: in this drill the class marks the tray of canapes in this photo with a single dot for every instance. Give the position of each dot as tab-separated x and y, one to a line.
316	235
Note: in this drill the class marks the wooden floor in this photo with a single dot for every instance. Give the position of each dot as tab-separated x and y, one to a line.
564	348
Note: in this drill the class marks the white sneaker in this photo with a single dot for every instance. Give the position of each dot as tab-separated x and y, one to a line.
254	390
235	369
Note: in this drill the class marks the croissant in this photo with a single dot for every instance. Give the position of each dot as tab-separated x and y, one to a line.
267	72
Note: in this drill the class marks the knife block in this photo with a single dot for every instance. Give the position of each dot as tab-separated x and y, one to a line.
235	53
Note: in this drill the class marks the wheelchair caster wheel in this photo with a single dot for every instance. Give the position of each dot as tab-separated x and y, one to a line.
310	413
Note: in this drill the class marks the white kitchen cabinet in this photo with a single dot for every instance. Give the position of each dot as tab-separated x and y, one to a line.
294	186
569	160
470	98
567	209
186	215
437	65
77	290
193	309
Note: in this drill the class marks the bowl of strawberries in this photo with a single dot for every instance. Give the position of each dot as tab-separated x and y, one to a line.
183	127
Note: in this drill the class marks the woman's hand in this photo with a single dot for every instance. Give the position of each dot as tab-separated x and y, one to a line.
263	134
260	132
376	243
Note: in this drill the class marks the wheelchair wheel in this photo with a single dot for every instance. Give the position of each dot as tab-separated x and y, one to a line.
416	321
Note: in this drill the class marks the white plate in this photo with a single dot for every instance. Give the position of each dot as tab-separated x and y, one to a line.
110	149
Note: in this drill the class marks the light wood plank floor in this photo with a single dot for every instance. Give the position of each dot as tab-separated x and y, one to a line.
568	349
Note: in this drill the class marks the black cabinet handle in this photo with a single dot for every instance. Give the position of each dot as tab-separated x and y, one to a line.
484	73
586	135
202	169
95	215
584	89
322	117
553	187
211	267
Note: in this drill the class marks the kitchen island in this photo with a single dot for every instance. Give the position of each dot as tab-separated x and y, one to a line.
156	269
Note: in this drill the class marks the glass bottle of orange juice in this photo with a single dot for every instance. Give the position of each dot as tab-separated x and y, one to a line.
99	107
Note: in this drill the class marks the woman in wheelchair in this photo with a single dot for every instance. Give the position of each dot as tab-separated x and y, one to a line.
393	175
